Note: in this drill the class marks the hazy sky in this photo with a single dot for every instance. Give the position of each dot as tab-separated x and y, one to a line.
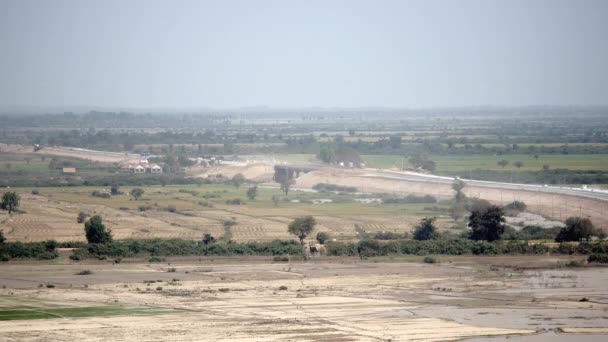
303	53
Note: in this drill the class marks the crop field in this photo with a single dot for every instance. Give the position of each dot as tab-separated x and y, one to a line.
452	165
190	211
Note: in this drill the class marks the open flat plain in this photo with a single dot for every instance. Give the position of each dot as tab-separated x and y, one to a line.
328	299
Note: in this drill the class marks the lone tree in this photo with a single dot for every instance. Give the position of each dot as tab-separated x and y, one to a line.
458	209
576	229
10	201
137	193
426	230
487	223
301	227
286	185
458	185
252	192
518	164
503	163
96	232
284	177
238	180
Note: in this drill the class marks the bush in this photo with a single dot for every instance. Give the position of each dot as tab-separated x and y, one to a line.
429	260
577	229
235	201
82	216
282	288
35	192
85	272
30	250
280	258
516	206
599	258
426	230
322	237
100	194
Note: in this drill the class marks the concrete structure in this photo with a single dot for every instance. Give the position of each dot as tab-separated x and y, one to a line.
69	170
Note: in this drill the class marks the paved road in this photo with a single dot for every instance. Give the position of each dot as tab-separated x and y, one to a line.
407	176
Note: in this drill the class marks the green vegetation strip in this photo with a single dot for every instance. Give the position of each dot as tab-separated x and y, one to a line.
10	314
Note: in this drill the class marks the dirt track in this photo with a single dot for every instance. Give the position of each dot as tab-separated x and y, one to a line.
323	301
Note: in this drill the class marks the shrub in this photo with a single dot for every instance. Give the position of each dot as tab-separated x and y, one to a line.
191	192
426	230
429	260
50	286
171	270
35	192
100	194
252	193
82	216
145	207
282	288
280	258
205	204
577	229
322	237
235	201
156	259
599	258
85	272
516	206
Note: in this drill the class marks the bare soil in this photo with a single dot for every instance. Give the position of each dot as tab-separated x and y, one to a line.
321	300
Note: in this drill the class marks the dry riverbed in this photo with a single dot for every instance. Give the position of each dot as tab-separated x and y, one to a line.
321	300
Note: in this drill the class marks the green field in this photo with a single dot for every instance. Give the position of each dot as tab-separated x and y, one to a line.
459	164
18	308
451	164
160	197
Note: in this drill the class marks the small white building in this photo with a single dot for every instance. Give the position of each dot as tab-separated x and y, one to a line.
155	168
139	169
